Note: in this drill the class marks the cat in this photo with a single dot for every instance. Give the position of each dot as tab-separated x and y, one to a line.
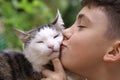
41	44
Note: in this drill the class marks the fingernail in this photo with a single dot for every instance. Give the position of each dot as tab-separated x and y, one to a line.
55	59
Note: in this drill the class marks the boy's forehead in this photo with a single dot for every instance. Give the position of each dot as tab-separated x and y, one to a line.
86	13
83	16
93	14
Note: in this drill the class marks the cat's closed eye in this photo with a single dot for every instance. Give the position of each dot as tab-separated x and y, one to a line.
40	42
56	36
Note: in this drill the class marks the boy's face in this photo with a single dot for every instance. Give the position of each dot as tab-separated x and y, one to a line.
85	43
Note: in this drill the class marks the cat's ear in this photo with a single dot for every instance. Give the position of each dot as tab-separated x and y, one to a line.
58	22
22	35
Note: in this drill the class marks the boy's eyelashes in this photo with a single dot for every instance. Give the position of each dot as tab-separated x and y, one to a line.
81	26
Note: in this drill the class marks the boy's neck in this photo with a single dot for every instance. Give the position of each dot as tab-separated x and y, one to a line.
111	72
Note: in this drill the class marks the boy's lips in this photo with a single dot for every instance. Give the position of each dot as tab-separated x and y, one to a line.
63	48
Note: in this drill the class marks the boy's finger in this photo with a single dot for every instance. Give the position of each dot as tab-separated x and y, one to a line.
47	73
45	79
57	65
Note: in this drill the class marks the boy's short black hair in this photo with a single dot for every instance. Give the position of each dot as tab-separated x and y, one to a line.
112	10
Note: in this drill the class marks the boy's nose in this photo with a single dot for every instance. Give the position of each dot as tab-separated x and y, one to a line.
67	33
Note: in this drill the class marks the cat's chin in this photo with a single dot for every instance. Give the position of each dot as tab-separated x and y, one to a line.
54	55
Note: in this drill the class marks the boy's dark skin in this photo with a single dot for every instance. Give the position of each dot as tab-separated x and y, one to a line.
91	46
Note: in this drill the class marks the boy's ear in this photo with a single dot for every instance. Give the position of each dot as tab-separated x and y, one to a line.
113	53
22	35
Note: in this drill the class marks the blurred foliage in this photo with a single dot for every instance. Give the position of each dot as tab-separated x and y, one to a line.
3	42
27	14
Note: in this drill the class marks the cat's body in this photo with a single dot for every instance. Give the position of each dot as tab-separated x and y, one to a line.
14	66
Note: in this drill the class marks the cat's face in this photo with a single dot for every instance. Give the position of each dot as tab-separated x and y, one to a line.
45	40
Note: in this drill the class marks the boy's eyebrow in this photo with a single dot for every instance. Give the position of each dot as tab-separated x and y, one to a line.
80	16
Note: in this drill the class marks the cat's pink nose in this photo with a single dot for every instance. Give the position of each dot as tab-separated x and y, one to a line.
51	46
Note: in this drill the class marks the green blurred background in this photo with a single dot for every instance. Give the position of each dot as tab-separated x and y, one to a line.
28	14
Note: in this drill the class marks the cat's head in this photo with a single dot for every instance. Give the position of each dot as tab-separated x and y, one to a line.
44	40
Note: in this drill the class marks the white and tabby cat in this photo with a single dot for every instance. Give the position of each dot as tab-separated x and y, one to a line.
43	43
40	46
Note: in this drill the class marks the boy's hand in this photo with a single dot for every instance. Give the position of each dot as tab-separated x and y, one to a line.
58	74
